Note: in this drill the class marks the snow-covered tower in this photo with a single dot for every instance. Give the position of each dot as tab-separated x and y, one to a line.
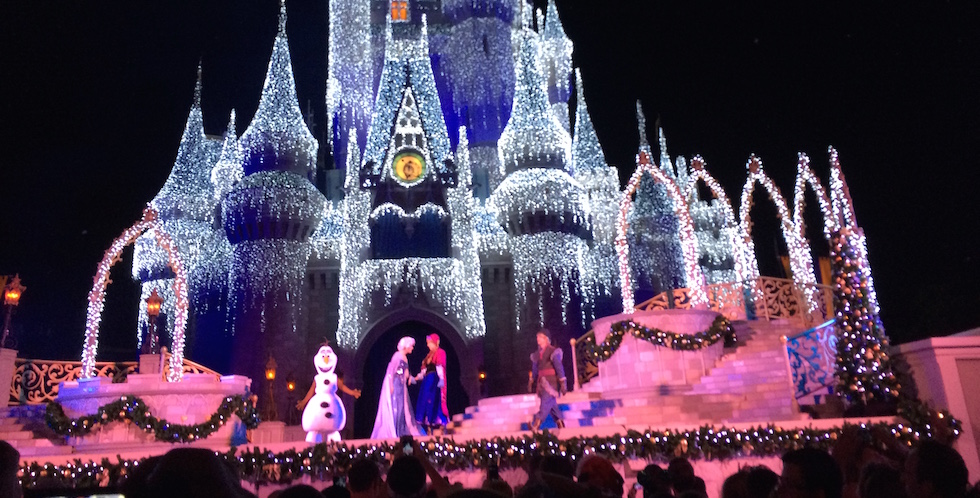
186	213
543	209
656	258
268	218
556	60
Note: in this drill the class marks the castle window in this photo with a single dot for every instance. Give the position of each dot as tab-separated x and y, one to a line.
399	10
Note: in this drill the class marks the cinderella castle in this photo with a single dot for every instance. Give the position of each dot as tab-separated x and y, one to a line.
464	199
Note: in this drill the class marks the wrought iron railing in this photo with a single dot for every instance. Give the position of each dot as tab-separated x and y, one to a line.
776	298
36	382
812	358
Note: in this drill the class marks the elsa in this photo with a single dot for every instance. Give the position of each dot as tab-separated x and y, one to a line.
395	417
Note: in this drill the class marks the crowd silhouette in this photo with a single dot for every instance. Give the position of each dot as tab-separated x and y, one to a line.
856	467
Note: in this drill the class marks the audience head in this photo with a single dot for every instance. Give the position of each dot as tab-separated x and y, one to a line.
300	491
335	491
880	480
191	473
736	485
596	472
499	487
761	482
655	481
406	478
9	464
810	472
364	479
935	470
682	478
556	464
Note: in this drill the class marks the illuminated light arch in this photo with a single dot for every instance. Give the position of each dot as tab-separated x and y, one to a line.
799	250
805	177
96	298
689	243
841	203
746	268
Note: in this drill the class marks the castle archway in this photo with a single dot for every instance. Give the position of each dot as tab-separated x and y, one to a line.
366	372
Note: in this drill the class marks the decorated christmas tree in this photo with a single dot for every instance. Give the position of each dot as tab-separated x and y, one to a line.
863	368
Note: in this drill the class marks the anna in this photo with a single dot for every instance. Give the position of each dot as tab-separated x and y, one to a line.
431	410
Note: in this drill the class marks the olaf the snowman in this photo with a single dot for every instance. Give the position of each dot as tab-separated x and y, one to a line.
324	416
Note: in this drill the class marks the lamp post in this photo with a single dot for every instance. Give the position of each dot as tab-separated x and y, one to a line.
482	377
270	413
11	298
290	399
153	303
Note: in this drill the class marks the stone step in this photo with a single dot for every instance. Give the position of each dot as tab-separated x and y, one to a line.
16	435
8	421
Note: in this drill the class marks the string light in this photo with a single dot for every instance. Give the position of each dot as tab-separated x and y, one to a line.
805	177
728	243
687	239
350	75
96	297
801	261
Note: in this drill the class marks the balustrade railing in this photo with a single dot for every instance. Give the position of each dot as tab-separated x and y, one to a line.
36	382
775	298
813	358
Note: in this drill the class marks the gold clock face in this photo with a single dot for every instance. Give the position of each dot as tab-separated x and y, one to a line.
409	167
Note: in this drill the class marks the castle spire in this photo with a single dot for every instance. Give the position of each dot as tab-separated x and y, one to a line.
353	161
586	151
228	171
278	138
553	28
665	163
187	192
641	126
533	138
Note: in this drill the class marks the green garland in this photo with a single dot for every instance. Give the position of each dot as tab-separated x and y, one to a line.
133	409
590	351
324	461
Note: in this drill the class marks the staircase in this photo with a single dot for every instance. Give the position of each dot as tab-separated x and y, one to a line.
24	428
747	384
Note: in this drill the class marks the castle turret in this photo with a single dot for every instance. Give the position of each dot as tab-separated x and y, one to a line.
556	58
541	207
186	213
268	218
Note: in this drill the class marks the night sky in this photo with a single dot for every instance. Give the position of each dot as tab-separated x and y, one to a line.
94	96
